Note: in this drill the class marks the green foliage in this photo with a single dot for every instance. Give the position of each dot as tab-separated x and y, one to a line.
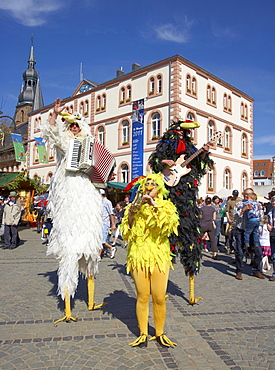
35	184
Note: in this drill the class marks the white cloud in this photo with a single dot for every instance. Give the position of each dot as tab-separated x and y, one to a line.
30	12
266	156
269	140
175	32
219	31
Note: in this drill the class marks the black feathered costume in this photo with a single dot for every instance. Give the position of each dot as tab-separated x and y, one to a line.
175	142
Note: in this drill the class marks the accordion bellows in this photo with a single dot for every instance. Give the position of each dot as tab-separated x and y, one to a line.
92	158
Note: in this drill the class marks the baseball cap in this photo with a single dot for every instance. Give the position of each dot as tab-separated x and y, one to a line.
235	192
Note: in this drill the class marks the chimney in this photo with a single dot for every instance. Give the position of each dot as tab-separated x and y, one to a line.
119	72
135	67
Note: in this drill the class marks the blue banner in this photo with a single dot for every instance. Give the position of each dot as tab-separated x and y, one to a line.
137	148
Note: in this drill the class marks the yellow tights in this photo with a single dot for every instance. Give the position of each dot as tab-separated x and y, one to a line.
156	284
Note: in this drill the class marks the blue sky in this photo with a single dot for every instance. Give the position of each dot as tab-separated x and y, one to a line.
234	40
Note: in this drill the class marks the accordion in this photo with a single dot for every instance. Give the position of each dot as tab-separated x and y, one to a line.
92	158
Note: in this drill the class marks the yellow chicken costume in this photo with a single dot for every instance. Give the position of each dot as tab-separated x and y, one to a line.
146	227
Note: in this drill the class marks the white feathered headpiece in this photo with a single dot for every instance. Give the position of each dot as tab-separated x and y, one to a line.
69	118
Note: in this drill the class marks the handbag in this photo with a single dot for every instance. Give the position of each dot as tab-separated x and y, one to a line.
2	230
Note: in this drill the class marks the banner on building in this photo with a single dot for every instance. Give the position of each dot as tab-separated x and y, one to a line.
41	150
137	138
19	150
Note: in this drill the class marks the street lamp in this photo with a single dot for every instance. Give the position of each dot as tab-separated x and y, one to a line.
9	118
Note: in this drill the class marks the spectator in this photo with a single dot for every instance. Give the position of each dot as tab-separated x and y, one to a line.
216	205
2	204
108	219
239	234
264	238
251	221
207	222
11	218
120	210
271	223
230	204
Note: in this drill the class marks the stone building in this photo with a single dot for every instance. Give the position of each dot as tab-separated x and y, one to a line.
170	89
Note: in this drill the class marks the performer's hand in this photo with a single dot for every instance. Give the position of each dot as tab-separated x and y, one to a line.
149	200
58	108
168	162
206	148
112	177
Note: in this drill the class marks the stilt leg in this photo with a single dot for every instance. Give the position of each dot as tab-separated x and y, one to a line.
192	299
68	314
91	294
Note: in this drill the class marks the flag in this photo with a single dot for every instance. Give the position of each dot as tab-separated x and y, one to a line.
20	155
41	150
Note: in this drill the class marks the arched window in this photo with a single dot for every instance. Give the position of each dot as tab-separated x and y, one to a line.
98	103
208	93
256	173
242	109
244	144
225	101
210	179
210	129
125	173
152	85
262	173
129	93
227	138
245	111
188	83
190	117
125	132
86	107
213	95
122	95
155	130
103	101
194	86
227	179
81	108
229	103
101	136
159	82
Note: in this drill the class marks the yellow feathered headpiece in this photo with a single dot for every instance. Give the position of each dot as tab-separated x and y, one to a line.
162	191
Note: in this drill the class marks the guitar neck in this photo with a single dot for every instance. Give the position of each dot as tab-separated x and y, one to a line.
188	160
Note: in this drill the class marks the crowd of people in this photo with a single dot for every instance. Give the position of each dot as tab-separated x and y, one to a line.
169	221
248	227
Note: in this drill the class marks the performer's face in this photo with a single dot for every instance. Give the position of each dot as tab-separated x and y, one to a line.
151	188
179	132
74	128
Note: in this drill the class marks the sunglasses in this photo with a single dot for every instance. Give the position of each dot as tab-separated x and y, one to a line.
74	124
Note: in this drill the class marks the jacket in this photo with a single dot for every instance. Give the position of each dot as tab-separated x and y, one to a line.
12	213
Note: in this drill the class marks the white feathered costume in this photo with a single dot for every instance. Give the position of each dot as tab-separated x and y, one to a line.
76	207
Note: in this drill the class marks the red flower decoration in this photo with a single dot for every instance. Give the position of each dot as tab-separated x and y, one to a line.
196	182
179	192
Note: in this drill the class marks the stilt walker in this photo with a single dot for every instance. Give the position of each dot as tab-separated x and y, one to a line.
182	167
147	223
76	209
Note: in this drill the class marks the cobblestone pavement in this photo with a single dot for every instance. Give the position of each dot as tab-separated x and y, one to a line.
233	327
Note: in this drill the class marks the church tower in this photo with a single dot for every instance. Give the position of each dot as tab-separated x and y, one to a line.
30	97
